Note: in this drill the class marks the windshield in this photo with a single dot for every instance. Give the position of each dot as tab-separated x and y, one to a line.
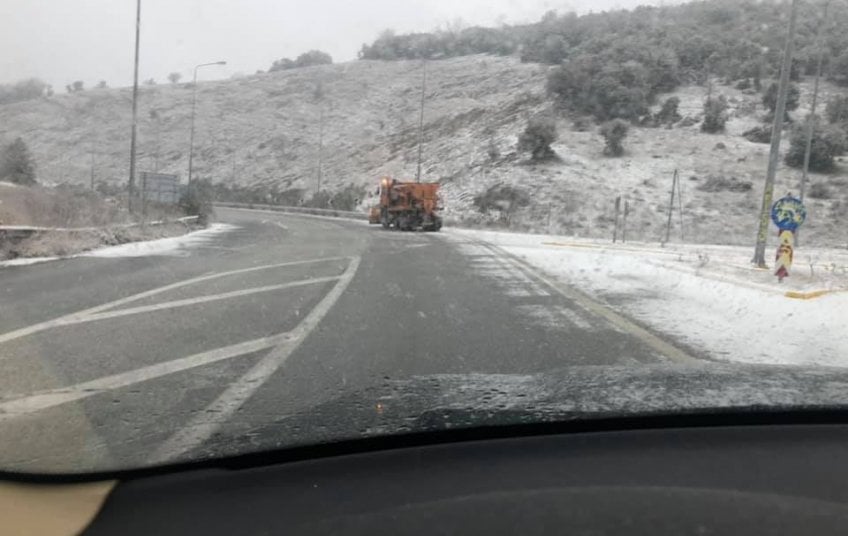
235	227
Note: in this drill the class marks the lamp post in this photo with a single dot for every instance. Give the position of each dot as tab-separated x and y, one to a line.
193	108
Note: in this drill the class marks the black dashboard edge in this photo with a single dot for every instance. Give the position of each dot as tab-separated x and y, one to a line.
731	417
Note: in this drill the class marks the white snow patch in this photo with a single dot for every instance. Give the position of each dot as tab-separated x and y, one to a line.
177	246
708	297
26	261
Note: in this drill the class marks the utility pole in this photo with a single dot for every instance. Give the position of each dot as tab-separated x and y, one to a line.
320	148
131	184
421	119
811	119
777	130
92	165
674	181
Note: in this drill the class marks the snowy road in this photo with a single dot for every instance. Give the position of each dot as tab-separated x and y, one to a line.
143	355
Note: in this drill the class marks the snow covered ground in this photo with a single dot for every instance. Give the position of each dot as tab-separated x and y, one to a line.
710	298
172	246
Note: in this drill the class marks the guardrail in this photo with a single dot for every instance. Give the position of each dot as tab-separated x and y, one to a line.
20	232
348	214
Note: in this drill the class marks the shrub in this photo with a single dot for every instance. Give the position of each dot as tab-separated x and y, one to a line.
174	77
839	69
715	115
820	190
307	59
669	113
347	198
16	163
537	138
720	183
828	142
744	84
102	84
837	110
688	121
501	198
319	199
29	89
581	124
614	133
761	134
603	87
793	98
197	200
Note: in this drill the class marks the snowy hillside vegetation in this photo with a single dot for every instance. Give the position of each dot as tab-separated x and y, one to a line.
323	135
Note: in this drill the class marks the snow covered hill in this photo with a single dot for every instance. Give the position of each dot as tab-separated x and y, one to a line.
263	130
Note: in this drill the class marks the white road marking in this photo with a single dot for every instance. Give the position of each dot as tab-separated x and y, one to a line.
621	322
207	422
201	299
38	401
75	317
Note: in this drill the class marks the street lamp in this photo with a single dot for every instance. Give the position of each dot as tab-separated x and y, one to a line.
193	107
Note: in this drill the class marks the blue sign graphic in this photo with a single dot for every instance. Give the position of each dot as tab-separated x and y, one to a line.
788	213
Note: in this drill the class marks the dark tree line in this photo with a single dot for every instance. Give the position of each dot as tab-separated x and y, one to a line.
612	64
31	88
307	59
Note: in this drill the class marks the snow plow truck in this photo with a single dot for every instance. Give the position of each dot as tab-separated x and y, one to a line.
407	206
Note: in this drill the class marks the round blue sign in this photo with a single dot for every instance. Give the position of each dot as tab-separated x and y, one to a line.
788	213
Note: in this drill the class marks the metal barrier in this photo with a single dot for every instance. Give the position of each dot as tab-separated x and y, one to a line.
20	232
348	214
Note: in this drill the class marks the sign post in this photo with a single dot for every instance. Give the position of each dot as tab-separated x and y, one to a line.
788	214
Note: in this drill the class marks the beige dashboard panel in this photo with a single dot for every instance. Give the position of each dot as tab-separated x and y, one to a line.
50	510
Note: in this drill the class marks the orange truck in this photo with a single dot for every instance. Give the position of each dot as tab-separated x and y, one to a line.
407	206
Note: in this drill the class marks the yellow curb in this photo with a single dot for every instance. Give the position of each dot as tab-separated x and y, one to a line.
812	295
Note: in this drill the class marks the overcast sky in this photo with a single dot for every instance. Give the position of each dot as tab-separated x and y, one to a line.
61	41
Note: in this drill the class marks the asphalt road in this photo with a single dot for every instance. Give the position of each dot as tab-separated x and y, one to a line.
121	362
